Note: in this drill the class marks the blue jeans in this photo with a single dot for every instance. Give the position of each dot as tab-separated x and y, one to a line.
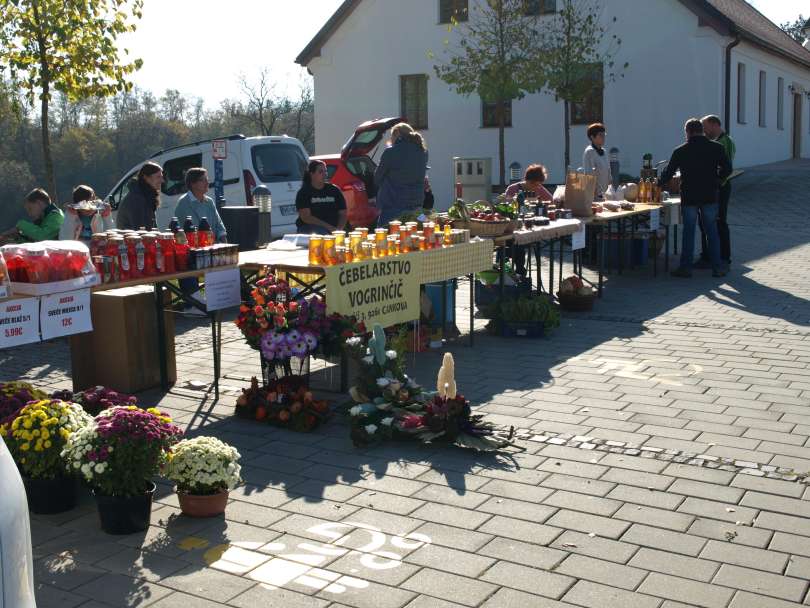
690	218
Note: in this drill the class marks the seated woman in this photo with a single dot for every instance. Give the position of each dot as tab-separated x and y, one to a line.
532	184
321	206
46	220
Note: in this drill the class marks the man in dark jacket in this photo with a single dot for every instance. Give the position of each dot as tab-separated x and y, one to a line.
704	164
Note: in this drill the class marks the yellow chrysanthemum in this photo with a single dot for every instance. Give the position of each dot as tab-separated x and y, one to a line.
48	444
25	447
27	423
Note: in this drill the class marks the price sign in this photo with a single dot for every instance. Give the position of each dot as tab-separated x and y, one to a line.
19	322
65	314
222	289
219	149
578	238
655	220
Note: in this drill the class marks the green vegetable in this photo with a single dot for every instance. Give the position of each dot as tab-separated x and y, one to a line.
526	310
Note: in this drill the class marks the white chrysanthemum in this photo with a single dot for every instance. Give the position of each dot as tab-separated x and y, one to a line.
387	421
371	429
368	360
391	354
356	410
204	464
383	382
355	341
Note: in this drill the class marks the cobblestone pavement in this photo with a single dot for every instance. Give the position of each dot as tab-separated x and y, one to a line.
663	371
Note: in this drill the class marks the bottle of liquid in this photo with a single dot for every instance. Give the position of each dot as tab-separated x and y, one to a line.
180	251
642	186
188	227
174	225
205	236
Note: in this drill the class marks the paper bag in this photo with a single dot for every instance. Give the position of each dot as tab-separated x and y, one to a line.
579	193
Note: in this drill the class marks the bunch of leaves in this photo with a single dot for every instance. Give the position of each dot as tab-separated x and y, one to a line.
525	309
124	447
97	399
203	466
39	432
376	364
286	402
14	395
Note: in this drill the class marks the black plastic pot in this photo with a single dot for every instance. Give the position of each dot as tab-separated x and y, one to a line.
125	515
49	496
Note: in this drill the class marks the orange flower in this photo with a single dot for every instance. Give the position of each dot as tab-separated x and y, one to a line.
259	299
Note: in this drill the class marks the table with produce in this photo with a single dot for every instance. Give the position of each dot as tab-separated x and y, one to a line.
51	281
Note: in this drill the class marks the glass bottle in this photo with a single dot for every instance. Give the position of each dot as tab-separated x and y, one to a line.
205	236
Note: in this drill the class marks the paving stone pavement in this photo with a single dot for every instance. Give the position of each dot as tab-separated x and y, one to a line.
703	367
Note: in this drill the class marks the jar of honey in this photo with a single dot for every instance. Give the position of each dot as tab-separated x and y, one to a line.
394	227
448	235
367	250
340	237
363	232
422	243
315	249
355	239
329	255
340	254
393	245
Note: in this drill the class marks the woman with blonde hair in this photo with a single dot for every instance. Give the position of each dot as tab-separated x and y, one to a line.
400	176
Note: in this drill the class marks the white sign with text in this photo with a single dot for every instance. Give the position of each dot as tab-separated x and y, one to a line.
65	314
19	322
222	289
578	239
655	220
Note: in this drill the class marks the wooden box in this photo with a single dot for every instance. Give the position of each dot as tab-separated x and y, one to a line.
122	350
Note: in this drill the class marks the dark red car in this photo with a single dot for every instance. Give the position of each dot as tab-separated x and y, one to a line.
353	170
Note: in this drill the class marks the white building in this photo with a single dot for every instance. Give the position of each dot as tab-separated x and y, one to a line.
687	58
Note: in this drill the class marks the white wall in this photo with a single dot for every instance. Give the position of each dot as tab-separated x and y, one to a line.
755	144
676	71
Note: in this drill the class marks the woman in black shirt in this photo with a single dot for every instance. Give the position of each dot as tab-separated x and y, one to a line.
321	206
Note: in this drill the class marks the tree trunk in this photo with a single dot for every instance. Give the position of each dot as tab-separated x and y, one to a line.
46	144
567	134
501	143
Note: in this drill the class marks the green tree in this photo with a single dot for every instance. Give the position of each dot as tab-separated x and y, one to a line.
67	46
794	29
577	55
495	57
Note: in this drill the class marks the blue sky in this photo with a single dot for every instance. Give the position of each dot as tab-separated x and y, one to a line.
201	47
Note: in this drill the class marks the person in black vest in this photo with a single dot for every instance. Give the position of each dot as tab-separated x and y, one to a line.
704	165
321	206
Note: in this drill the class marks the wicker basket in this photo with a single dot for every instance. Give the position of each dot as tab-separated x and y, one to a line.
576	303
485	228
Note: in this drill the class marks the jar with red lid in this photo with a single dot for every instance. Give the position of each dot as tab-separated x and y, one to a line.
150	259
98	244
180	251
167	246
117	248
135	252
36	263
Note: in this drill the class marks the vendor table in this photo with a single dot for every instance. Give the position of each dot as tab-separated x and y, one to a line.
166	281
609	222
438	266
553	234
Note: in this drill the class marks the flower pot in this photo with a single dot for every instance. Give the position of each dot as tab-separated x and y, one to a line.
49	496
125	514
195	505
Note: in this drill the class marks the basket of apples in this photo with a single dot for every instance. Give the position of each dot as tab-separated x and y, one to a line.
484	219
575	296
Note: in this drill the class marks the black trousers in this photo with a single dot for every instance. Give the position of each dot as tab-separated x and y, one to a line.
722	227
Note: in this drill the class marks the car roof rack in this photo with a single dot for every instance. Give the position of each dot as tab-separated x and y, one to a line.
196	143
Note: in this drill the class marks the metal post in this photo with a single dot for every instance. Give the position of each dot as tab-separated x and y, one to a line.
600	255
562	253
444	309
551	268
472	309
666	248
161	329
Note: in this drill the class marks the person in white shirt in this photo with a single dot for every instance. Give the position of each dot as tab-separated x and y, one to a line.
595	159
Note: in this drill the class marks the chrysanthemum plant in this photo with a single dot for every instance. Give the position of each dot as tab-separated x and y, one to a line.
203	466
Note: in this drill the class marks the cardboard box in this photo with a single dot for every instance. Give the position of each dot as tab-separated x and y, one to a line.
122	350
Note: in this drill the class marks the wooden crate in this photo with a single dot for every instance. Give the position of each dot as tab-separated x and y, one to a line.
122	350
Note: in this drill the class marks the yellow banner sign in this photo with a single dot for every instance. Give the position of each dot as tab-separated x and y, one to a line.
384	291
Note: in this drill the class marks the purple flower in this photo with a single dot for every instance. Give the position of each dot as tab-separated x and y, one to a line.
277	337
293	337
299	349
311	340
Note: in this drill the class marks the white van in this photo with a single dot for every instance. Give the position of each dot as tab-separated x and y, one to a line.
278	162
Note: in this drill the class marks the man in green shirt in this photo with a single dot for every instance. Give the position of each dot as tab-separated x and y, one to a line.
713	128
46	220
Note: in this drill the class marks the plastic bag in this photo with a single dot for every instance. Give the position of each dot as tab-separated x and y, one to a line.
610	194
559	196
48	261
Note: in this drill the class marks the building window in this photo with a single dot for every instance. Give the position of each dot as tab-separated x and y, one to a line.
741	93
590	109
413	100
540	7
763	92
780	104
489	114
453	10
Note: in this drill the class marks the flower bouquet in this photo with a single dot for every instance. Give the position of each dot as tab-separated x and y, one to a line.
35	437
118	454
96	399
204	469
285	402
14	395
389	404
